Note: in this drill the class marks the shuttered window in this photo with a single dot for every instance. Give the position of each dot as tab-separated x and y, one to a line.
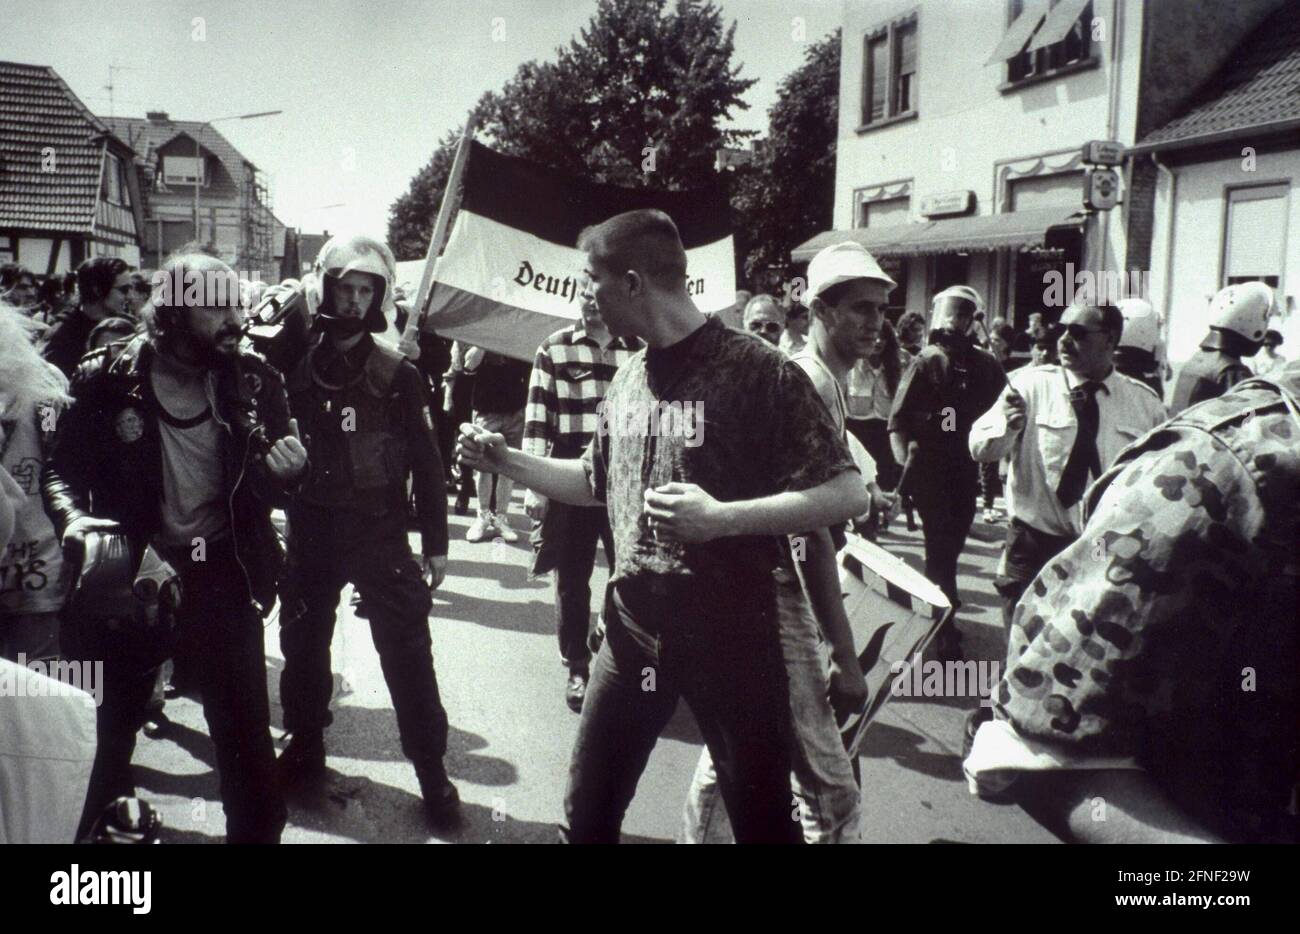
889	71
877	78
904	84
1254	242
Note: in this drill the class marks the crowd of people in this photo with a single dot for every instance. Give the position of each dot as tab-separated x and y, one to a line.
151	433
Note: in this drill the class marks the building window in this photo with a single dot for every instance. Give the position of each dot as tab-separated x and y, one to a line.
1063	36
183	170
888	212
112	187
889	72
1254	237
1059	189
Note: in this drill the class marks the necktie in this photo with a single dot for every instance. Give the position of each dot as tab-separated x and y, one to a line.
1084	458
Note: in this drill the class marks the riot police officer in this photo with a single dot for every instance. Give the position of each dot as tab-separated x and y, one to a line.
367	424
1238	320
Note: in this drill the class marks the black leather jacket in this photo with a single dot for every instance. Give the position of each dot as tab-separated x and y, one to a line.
106	459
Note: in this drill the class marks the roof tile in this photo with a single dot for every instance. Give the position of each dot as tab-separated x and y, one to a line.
1260	84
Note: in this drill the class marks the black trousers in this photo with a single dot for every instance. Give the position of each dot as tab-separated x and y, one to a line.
219	640
873	434
726	663
462	410
575	559
328	549
944	496
990	483
1027	552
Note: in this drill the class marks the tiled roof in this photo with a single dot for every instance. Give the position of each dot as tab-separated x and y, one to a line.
146	137
40	117
1259	86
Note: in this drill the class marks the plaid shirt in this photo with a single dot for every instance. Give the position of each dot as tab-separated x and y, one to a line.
571	375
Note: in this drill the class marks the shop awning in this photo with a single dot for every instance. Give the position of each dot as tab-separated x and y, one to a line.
982	234
1019	32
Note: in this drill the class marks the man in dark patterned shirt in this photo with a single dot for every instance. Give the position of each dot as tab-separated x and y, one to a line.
571	375
710	446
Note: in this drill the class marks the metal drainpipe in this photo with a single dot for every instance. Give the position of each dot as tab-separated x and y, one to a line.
1112	105
1169	244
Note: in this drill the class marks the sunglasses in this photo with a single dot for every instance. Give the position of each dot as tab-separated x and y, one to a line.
125	289
767	327
1078	331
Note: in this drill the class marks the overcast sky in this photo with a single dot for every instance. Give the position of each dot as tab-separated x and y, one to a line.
367	88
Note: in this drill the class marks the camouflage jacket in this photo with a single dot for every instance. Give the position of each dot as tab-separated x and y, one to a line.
1168	631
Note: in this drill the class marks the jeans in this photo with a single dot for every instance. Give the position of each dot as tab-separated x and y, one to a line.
220	638
326	551
575	560
822	777
663	643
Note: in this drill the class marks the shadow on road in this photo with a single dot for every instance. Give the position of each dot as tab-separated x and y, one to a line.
884	741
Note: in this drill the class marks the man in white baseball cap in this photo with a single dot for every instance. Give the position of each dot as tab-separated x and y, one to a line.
843	262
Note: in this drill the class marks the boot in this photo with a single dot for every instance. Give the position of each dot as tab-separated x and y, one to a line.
441	799
303	760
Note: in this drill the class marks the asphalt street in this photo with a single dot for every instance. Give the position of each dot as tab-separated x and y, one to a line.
503	686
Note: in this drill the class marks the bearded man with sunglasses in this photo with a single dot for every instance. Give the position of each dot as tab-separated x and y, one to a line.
1063	425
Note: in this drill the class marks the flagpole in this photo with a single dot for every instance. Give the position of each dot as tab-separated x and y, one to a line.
439	238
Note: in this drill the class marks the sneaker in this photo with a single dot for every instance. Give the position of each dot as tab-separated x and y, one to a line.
441	799
479	528
992	515
575	690
303	760
502	524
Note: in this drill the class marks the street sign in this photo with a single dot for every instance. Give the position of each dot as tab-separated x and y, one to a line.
1100	189
1103	152
947	203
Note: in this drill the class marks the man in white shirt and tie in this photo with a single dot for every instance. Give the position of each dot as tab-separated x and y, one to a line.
1062	425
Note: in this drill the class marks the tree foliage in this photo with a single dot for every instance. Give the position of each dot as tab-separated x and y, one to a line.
638	98
788	194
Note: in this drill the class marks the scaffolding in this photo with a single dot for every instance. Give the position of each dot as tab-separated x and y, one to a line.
257	225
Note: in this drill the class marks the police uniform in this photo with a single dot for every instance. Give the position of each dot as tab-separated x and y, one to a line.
366	426
1165	637
364	417
943	391
1040	523
1238	324
1209	373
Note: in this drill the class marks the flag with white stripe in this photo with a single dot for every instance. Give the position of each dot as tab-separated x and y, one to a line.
511	273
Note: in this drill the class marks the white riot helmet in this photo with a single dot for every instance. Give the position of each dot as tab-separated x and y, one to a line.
344	254
1243	309
1141	325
